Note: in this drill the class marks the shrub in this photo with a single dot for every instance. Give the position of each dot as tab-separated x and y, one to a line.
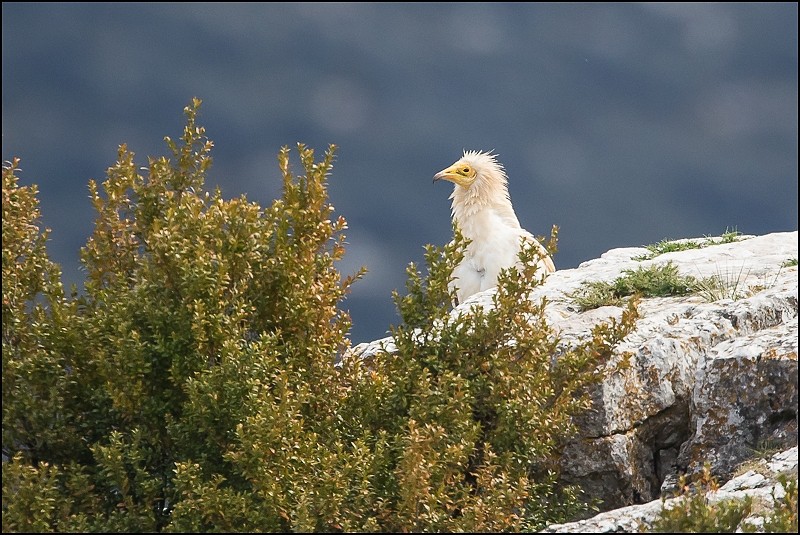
193	385
476	406
783	519
693	512
200	316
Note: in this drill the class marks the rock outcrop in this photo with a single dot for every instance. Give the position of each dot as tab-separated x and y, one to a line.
761	483
709	378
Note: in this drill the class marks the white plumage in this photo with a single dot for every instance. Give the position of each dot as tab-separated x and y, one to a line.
482	211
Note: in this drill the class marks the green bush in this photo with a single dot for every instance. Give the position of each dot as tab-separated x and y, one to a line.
193	385
692	511
783	519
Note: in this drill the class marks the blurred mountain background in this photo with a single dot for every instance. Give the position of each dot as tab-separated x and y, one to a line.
621	123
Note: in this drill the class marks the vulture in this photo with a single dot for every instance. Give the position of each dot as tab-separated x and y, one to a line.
483	213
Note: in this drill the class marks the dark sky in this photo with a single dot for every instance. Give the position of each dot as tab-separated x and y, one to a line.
621	123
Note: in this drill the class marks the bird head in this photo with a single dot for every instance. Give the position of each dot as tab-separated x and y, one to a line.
473	167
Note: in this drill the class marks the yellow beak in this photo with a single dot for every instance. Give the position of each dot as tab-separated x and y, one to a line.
452	174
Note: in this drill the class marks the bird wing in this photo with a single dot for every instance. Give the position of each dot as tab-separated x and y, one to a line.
546	263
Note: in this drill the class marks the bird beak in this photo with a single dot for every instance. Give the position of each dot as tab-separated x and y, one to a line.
446	174
451	175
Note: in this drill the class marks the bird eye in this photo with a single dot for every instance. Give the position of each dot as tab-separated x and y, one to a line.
465	170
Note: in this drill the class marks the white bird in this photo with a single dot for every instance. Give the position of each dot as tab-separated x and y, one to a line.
482	211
